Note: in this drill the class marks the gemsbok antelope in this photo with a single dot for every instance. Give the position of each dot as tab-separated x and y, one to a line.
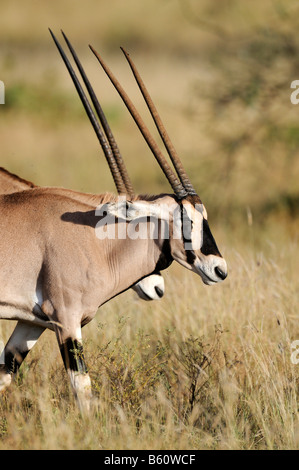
63	254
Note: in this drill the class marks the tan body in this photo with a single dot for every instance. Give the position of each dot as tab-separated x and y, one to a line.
52	242
150	288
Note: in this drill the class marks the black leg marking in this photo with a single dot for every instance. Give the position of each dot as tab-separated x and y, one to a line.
14	359
72	355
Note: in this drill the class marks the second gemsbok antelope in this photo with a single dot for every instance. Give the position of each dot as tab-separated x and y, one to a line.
59	263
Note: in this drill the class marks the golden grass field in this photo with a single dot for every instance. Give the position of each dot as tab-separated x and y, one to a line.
205	367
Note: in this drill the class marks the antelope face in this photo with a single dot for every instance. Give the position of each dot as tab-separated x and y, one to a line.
196	249
186	226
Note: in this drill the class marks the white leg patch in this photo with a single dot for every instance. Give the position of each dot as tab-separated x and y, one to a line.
24	337
81	385
5	380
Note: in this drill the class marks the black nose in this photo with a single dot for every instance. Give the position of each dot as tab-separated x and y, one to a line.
220	273
159	291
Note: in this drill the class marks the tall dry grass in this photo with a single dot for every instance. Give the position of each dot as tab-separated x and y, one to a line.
204	368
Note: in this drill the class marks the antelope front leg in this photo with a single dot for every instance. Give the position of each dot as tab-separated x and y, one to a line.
71	349
18	346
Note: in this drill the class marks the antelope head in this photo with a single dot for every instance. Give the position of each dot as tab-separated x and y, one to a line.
191	242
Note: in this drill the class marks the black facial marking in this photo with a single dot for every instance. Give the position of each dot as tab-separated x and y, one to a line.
165	258
191	256
72	355
209	246
187	223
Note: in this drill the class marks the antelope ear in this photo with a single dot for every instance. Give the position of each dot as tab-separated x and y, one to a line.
132	210
117	209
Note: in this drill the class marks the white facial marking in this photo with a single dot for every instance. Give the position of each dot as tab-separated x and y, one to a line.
197	229
206	268
146	288
204	212
209	267
195	218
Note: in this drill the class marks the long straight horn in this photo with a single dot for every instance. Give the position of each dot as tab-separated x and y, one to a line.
167	170
104	122
161	129
101	137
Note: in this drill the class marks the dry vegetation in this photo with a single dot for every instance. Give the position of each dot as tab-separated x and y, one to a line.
205	368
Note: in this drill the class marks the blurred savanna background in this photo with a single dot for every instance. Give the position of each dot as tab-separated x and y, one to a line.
205	367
